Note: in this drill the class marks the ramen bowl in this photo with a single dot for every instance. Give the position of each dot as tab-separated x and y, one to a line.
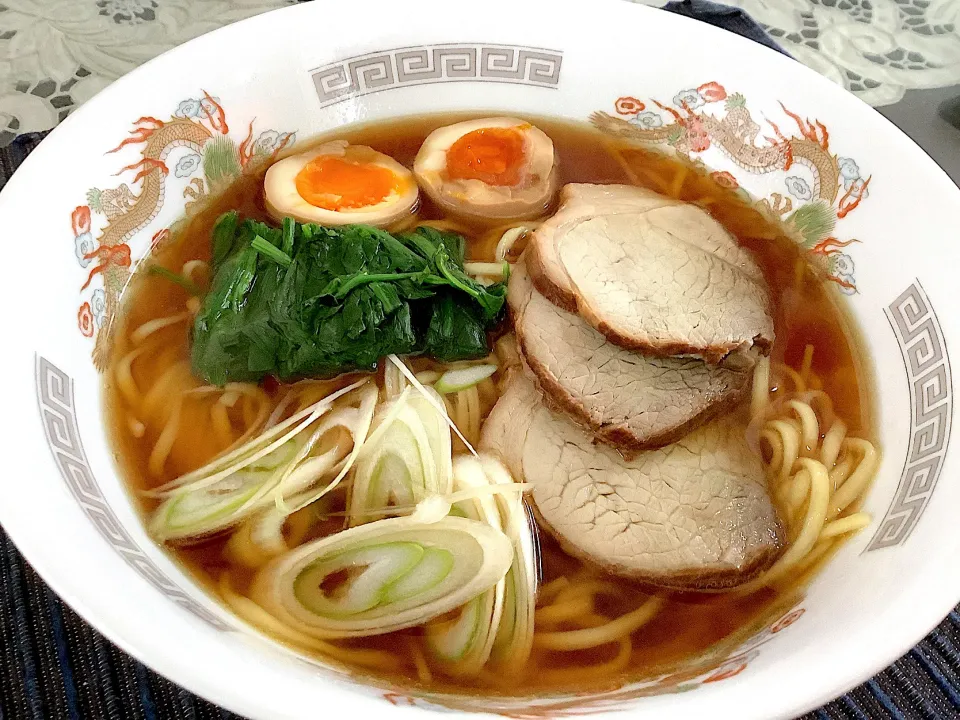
871	210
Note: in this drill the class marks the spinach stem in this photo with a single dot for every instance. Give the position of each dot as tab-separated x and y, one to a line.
175	278
271	252
359	279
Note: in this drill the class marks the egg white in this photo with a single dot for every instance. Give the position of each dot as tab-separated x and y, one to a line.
283	200
476	199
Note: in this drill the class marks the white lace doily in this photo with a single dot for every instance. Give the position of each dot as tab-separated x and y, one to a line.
877	49
55	54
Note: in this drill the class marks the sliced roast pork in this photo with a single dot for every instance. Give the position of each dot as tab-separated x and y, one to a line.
652	274
691	515
626	399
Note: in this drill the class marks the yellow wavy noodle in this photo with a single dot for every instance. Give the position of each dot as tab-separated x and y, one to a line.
168	435
472	403
136	428
419	660
561	612
249	611
162	397
506	242
220	423
156	325
567	621
241	410
817	472
586	586
607	632
156	400
464	408
552	588
123	374
197	272
579	674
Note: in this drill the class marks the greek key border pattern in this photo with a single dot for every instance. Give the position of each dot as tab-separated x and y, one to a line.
58	416
924	349
431	64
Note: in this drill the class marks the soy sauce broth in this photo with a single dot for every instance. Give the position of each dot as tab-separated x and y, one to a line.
807	312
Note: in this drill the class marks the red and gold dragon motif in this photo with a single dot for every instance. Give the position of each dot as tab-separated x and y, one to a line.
128	213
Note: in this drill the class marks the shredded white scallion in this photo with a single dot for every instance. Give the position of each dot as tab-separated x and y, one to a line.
433	401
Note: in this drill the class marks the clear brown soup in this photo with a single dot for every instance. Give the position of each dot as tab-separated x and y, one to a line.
690	625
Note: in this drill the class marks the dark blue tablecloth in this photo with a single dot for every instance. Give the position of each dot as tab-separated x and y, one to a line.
53	665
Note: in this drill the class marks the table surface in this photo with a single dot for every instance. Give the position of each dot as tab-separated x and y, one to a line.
902	56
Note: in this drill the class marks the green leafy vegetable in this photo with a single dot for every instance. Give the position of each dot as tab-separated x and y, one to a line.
224	235
309	300
271	252
456	330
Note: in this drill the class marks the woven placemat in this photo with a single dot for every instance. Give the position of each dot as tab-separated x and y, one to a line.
53	665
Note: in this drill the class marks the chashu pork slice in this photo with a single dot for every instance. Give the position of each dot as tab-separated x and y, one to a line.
694	515
652	274
628	400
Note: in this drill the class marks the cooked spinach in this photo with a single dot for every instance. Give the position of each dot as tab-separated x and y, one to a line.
309	300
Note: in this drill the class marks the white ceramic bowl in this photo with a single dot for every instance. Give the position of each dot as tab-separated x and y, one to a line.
310	68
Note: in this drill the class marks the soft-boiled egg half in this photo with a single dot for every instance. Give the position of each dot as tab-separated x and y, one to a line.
496	168
340	184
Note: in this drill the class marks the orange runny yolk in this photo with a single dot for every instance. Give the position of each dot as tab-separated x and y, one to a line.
493	155
333	183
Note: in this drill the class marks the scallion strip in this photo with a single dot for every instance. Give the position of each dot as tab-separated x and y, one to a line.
462	378
488	269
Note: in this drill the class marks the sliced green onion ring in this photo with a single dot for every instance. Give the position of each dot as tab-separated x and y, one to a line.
405	460
383	576
271	468
462	642
514	640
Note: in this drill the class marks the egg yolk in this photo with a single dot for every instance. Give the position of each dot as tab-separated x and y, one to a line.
332	183
493	155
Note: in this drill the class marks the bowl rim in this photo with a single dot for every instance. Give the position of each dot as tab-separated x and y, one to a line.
163	662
